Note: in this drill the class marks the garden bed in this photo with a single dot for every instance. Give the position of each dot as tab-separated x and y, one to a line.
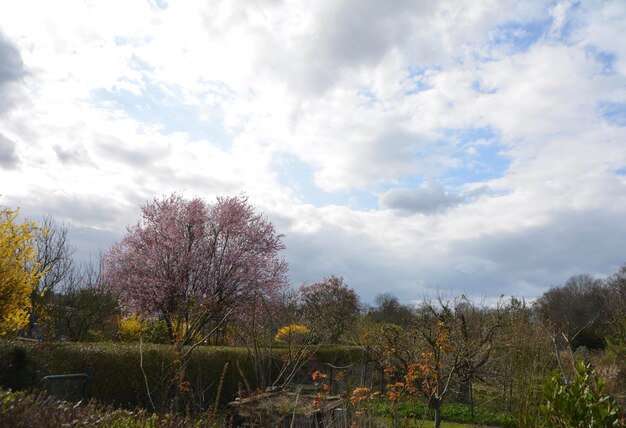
285	409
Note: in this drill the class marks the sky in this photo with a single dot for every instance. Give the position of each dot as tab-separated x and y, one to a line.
414	147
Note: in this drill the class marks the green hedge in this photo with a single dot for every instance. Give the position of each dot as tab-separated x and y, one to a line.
118	379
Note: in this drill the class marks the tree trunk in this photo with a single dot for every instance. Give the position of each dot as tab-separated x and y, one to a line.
435	403
437	417
170	329
465	388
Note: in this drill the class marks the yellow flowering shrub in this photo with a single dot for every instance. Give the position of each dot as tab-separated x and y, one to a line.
18	270
131	328
292	334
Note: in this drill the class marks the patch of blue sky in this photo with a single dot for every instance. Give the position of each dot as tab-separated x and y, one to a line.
613	113
605	59
417	75
154	107
123	41
468	135
478	87
485	164
520	36
621	171
159	4
299	176
570	24
367	94
478	153
138	64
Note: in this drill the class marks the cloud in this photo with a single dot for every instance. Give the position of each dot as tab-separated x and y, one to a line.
73	155
137	157
8	155
332	250
11	64
430	198
11	70
559	17
570	243
95	210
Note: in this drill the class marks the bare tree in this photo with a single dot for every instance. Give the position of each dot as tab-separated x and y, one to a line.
614	305
84	307
54	264
474	328
435	324
574	307
330	306
389	309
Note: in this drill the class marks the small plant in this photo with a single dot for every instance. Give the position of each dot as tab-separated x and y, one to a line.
361	399
580	403
320	381
156	332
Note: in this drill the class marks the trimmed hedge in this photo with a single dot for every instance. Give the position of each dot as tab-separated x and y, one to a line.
118	379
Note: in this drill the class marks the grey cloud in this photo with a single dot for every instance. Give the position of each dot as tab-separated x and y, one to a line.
116	149
523	263
353	34
427	199
361	32
11	70
343	35
8	155
572	240
90	242
572	243
378	156
74	155
334	251
91	211
94	222
11	64
358	34
385	156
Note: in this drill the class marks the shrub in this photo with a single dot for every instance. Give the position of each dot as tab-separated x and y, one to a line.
156	332
580	403
131	328
292	334
589	338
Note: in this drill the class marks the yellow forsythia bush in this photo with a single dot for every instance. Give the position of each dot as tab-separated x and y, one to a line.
131	328
293	333
18	269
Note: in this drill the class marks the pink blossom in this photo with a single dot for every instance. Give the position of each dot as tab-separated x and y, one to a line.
186	258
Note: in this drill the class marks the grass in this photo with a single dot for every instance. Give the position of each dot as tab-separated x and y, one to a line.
450	412
387	422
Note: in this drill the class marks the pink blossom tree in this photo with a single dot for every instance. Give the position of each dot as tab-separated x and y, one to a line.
191	263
